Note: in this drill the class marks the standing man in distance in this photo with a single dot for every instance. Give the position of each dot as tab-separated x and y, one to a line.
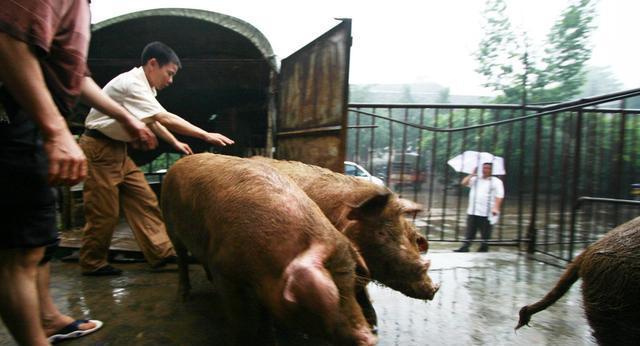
43	50
485	199
114	179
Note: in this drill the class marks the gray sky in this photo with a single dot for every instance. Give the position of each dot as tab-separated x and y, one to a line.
407	41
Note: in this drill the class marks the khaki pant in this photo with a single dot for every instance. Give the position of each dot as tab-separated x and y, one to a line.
114	180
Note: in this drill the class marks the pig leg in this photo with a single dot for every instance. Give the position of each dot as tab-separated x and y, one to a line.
248	322
184	284
362	296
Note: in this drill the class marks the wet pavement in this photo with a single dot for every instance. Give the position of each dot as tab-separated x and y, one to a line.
477	304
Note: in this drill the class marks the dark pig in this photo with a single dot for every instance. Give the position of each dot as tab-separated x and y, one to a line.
374	219
610	272
268	248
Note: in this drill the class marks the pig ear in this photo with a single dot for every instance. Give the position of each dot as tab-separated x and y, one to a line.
423	244
410	207
370	206
309	285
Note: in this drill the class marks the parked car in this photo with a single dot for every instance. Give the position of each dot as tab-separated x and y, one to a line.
354	169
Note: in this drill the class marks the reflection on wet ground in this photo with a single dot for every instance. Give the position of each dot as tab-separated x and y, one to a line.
477	305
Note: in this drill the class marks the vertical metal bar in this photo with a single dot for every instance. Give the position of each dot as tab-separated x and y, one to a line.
575	189
433	160
464	146
510	152
564	176
550	173
521	185
481	132
446	174
372	141
419	171
494	148
619	161
390	156
597	159
531	232
357	145
404	150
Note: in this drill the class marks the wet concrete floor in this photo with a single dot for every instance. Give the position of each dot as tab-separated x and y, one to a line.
477	304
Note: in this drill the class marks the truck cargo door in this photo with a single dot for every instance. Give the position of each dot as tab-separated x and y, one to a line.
312	101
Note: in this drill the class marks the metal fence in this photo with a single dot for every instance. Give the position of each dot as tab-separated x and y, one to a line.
554	154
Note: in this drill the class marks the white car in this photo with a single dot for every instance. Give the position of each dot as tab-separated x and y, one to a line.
354	169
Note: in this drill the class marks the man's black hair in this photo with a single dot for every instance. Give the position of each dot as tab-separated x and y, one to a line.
161	52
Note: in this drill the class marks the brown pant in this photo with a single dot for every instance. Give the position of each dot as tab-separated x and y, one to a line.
114	180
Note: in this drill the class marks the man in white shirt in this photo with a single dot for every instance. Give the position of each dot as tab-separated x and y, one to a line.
114	180
485	200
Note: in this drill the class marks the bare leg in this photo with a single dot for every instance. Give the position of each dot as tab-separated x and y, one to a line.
19	306
52	319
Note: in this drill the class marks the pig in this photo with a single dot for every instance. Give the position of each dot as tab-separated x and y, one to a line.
272	254
610	272
374	219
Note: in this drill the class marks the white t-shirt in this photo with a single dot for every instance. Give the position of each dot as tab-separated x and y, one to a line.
132	91
483	195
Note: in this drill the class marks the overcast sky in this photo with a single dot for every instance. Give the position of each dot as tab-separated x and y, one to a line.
407	41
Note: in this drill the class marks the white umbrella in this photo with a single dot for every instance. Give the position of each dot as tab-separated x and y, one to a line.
470	160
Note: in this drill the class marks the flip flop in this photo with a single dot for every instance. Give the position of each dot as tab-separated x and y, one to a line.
72	331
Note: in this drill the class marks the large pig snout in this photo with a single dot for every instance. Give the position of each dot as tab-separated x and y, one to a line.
425	289
364	337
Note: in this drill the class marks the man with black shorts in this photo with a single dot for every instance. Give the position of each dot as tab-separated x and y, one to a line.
43	50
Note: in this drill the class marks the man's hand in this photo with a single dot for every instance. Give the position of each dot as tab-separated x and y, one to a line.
183	148
67	163
217	139
144	138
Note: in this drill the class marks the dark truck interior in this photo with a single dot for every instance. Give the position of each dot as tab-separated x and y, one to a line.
223	85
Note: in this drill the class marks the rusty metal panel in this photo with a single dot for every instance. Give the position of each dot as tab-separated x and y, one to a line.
313	99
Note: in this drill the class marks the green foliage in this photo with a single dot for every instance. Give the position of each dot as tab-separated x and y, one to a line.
566	54
506	63
498	51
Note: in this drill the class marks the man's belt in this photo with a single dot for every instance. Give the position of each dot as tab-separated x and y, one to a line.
96	134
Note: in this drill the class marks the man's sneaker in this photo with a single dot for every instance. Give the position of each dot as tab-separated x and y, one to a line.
463	248
483	248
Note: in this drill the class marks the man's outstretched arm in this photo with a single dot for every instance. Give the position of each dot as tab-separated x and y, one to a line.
177	124
95	97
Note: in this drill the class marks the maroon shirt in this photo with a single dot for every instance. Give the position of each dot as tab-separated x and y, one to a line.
59	32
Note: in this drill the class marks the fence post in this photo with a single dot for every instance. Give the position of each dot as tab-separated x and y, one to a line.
531	231
576	183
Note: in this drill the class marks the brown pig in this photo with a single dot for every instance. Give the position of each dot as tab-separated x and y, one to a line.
272	254
374	219
610	272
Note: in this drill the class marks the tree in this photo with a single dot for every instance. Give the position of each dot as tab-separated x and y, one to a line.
567	51
498	52
505	58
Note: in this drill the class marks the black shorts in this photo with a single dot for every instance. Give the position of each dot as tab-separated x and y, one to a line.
27	208
27	202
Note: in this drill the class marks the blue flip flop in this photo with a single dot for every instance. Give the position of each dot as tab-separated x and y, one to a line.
72	331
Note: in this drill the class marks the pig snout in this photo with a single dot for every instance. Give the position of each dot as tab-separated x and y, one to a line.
424	289
364	337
